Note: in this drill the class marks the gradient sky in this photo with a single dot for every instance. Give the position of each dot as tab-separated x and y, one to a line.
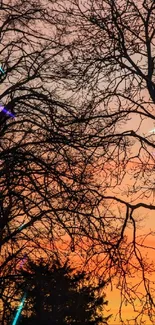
148	224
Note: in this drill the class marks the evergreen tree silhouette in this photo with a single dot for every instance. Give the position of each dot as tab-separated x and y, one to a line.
55	296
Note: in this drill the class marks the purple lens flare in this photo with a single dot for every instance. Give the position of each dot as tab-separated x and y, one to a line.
2	109
23	260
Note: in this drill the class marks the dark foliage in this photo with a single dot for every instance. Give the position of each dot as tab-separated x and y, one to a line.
57	296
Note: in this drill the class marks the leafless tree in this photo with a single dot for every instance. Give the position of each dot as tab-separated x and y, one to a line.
65	161
108	66
46	174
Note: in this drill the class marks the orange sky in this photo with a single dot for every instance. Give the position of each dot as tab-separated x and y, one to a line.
114	296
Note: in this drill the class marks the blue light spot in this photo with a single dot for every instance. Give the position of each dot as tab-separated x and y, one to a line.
1	69
19	310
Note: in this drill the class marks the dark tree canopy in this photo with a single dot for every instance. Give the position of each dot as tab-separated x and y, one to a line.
57	296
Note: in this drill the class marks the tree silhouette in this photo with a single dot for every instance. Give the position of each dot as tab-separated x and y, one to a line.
72	166
44	169
109	65
45	172
56	296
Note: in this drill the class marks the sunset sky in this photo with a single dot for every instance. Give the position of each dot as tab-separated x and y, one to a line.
74	144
